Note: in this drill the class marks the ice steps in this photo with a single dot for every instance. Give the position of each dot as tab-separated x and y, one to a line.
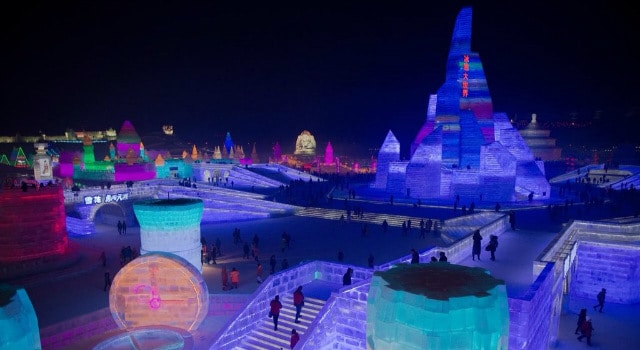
263	337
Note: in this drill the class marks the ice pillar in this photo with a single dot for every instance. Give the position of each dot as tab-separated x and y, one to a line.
171	225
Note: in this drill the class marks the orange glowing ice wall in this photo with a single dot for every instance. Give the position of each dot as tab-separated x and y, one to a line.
171	225
32	223
159	289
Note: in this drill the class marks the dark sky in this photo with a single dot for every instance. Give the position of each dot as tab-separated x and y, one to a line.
347	71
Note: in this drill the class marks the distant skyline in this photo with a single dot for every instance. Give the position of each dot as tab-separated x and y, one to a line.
347	72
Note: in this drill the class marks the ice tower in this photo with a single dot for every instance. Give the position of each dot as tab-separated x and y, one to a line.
464	148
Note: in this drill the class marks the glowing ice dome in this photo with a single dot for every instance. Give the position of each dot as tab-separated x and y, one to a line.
437	306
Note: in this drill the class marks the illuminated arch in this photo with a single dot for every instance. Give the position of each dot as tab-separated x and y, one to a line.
97	207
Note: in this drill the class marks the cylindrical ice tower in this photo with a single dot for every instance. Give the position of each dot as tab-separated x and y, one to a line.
437	306
171	225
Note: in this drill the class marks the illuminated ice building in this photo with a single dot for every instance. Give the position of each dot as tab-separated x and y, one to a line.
464	148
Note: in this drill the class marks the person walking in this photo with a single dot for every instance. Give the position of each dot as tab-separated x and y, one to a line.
124	227
586	329
274	311
477	245
295	338
298	302
600	298
245	249
346	278
235	278
218	246
512	219
224	276
107	280
415	257
581	318
272	263
259	273
492	246
119	227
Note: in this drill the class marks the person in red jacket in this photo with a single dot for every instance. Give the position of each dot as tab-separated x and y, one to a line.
235	278
274	312
586	329
298	302
295	337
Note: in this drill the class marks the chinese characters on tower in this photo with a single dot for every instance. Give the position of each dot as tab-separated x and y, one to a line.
465	76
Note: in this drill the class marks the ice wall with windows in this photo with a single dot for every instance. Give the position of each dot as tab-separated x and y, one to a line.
437	306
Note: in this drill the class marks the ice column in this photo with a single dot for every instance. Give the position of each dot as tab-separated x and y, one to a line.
437	306
171	225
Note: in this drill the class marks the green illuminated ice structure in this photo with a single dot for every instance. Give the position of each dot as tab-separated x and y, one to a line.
437	306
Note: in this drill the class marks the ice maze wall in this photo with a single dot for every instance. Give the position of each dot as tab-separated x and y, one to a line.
611	266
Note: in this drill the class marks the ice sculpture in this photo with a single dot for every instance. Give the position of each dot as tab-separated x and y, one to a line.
159	289
437	306
18	320
454	151
305	144
171	225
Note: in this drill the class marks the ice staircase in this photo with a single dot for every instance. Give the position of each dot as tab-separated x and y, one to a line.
263	337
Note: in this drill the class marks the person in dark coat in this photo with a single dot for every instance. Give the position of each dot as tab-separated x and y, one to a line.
600	298
493	245
245	250
415	257
443	257
512	219
274	311
587	329
272	263
107	280
581	318
346	278
477	245
298	302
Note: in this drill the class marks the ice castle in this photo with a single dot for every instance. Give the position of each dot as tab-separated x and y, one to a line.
463	148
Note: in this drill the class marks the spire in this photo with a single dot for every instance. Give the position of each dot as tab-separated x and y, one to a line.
461	38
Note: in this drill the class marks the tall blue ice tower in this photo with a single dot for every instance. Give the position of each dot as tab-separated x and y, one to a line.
464	148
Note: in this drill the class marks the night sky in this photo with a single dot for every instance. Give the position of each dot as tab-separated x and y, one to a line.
346	71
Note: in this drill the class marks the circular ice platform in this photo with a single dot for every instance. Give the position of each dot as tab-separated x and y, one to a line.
148	338
437	306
